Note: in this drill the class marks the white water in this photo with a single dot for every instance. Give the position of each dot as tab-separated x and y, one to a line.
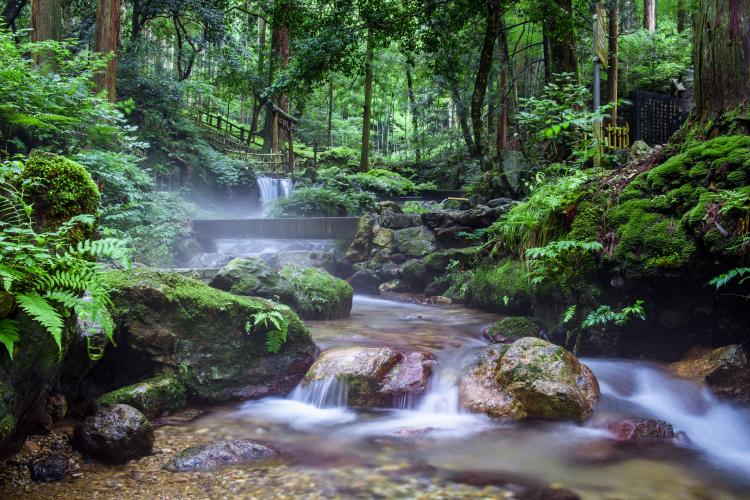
272	188
719	430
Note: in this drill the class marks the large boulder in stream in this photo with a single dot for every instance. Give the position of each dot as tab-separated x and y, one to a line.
115	435
725	370
167	323
254	278
317	294
530	378
375	376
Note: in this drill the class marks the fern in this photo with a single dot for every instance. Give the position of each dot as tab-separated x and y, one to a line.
275	325
724	279
43	313
8	334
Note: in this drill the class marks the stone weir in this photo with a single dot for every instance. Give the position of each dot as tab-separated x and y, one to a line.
308	228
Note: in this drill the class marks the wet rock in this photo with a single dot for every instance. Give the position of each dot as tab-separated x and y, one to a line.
317	294
725	370
413	275
115	435
384	207
365	281
374	375
170	323
7	304
56	407
641	429
411	375
359	250
499	202
154	397
510	329
399	221
49	468
219	454
415	241
530	378
253	277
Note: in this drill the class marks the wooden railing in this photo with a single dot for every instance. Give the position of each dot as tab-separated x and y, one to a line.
225	126
618	138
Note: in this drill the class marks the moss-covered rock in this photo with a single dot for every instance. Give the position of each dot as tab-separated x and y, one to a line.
415	241
317	294
511	329
254	278
61	189
166	322
153	397
503	287
530	378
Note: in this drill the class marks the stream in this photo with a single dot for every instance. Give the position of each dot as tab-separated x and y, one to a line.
429	448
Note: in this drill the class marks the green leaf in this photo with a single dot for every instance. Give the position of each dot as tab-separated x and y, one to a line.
43	313
8	334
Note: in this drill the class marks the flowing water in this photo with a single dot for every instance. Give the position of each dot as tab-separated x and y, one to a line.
228	249
272	188
430	448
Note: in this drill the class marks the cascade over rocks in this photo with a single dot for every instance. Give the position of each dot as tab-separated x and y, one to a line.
219	454
115	435
170	323
530	378
725	370
375	376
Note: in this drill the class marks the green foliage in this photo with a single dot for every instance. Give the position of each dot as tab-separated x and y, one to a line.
535	221
742	274
654	59
51	105
604	315
274	324
47	277
561	259
322	202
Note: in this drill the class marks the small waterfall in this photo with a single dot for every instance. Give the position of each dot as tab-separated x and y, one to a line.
326	393
271	188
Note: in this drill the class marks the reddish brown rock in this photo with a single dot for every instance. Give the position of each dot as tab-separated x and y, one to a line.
640	429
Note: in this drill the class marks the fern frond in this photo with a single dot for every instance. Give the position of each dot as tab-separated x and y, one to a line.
43	313
8	334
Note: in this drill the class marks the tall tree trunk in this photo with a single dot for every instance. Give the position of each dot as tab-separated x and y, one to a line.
482	77
106	39
649	15
257	104
502	83
721	51
681	15
10	13
364	157
614	14
560	54
329	129
46	22
279	60
462	116
413	108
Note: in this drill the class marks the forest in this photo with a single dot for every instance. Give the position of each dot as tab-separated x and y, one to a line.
375	249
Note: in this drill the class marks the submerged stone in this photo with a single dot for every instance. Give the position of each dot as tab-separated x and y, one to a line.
49	468
115	435
640	429
219	454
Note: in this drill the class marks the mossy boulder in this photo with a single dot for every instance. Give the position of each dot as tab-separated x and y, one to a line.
510	329
374	376
317	294
415	241
530	378
253	277
503	287
153	397
60	189
170	323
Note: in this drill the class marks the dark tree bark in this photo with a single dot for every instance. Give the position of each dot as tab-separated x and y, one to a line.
279	60
482	76
257	103
559	40
462	116
364	157
681	15
46	20
614	14
649	15
502	83
10	13
105	41
413	108
329	130
721	51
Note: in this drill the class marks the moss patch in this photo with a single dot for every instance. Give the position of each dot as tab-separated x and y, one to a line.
318	295
512	328
502	287
153	397
60	189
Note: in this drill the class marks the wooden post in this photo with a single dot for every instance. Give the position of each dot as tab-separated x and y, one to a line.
290	135
274	130
612	70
